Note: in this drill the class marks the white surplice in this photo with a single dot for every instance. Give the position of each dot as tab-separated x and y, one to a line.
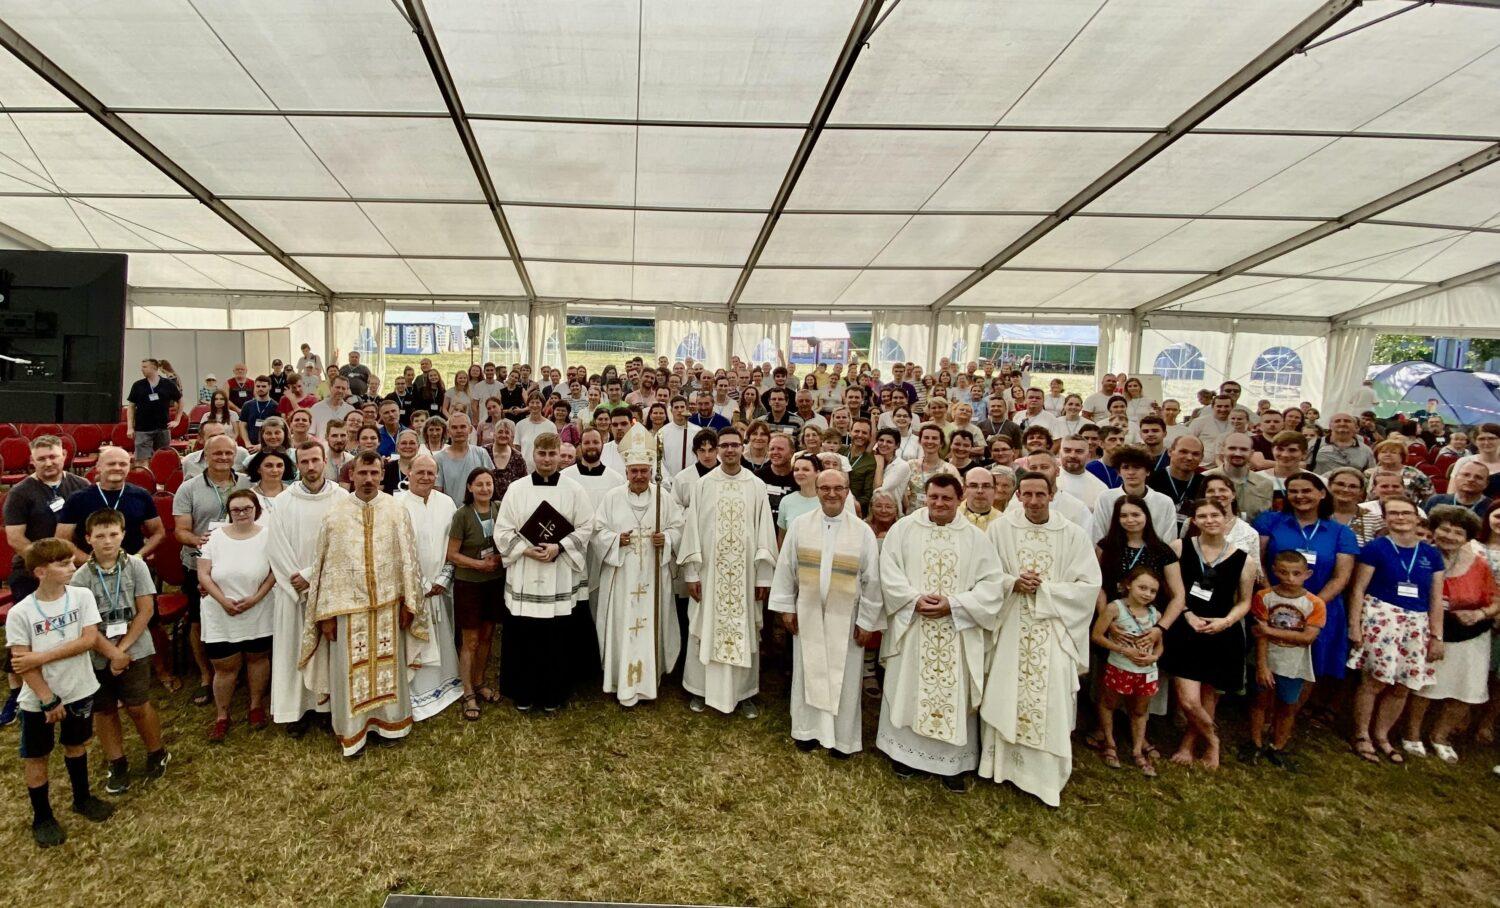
728	545
1041	648
934	667
637	643
537	589
676	448
435	685
291	547
826	629
595	484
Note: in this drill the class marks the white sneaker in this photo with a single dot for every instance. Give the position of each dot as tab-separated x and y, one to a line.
1445	752
1415	748
748	710
697	705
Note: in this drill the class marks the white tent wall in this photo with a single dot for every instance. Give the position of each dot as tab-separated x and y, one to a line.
753	327
957	336
901	335
693	332
1118	340
548	334
356	321
1349	350
1188	354
1279	361
512	319
1473	309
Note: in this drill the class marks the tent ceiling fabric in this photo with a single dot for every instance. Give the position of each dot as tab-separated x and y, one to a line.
637	147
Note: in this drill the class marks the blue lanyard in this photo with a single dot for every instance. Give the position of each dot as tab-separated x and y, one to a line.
1198	552
1136	560
1415	551
114	599
1176	495
1308	537
118	498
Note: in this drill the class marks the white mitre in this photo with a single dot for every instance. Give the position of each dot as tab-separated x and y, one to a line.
638	447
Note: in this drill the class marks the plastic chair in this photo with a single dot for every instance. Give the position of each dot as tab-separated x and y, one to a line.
88	439
121	438
173	482
9	430
143	477
45	428
165	462
15	460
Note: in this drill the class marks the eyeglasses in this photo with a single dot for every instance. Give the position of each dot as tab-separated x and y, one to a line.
249	509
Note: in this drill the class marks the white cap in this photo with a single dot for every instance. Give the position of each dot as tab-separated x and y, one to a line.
210	377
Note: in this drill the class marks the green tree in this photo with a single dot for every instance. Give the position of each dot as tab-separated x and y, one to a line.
1395	348
1482	350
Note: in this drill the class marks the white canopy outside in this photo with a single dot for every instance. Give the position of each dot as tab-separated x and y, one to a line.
1180	172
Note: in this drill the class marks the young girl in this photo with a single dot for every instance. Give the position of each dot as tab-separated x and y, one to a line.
1130	675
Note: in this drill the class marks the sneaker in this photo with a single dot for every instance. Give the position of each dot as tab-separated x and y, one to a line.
958	784
94	809
697	704
1250	754
523	707
748	710
8	716
156	764
48	833
1280	760
258	719
1445	752
118	780
1415	748
219	730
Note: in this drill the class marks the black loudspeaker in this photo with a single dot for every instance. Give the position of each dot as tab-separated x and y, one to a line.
62	336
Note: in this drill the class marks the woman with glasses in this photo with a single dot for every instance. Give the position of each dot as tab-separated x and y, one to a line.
234	574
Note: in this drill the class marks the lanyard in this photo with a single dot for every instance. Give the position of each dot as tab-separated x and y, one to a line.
1176	495
112	599
118	498
1415	550
1308	537
1135	560
67	596
1205	568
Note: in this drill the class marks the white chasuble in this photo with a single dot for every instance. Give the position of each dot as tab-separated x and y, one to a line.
639	639
827	575
367	577
1030	694
728	545
435	685
544	589
935	666
292	536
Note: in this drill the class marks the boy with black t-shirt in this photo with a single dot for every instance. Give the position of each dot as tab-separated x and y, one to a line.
50	634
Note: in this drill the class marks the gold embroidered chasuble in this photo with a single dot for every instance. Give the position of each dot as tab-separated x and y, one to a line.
366	573
937	664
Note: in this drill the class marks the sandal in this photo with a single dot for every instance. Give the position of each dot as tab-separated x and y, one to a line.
204	695
1364	750
471	708
1110	756
1148	769
172	683
488	695
1391	753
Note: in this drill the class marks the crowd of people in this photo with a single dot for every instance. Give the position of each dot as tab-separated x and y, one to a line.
975	553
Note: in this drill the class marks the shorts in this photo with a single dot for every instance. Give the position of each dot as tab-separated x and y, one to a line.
477	603
148	443
228	650
129	687
37	738
1288	690
1128	683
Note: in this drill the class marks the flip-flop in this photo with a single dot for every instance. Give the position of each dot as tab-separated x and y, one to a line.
204	695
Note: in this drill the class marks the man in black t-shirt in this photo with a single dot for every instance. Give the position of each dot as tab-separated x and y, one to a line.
144	530
149	412
777	471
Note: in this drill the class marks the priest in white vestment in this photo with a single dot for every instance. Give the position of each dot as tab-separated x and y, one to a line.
292	536
639	641
543	581
436	685
728	559
1051	581
596	479
942	588
827	593
365	609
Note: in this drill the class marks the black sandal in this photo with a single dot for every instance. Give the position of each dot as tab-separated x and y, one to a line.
1364	749
204	696
471	708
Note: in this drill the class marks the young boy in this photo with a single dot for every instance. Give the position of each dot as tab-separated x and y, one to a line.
122	587
1287	621
50	634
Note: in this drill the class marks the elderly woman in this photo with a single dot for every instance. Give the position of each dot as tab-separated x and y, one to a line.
1472	602
1395	627
1390	458
1346	487
273	435
1005	484
235	576
510	463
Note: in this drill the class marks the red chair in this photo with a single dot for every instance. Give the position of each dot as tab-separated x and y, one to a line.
179	427
173	482
121	438
70	450
196	414
167	562
9	430
92	474
89	439
15	460
45	428
164	462
141	476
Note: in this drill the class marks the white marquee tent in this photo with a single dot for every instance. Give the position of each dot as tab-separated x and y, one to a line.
1218	186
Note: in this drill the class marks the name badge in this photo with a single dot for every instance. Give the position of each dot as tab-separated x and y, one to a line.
117	629
56	504
488	526
153	396
1310	555
217	525
1407	591
1199	592
487	551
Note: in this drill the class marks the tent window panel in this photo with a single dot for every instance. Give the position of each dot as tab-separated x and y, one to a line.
1277	368
690	346
1180	362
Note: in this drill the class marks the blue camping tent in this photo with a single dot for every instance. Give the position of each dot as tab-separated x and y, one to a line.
1462	397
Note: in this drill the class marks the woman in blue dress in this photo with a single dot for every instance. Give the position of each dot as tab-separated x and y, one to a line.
1330	549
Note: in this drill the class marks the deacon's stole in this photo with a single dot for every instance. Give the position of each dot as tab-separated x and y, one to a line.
940	707
368	571
825	624
731	633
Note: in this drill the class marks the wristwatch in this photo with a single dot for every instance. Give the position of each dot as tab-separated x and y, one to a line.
49	707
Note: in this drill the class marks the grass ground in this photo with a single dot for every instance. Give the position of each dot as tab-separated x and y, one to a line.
664	805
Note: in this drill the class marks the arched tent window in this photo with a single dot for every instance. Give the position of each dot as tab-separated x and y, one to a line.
692	345
1180	362
1278	367
764	352
889	351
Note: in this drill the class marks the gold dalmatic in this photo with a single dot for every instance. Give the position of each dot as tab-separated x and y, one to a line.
939	703
1034	552
731	639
